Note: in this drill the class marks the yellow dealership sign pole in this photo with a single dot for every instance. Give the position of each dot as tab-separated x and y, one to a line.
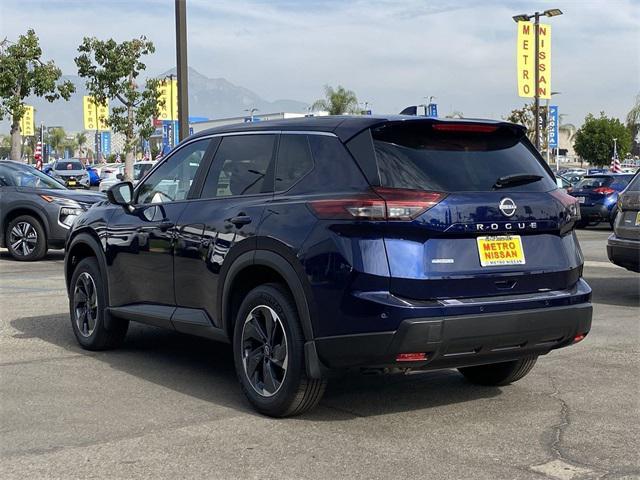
95	118
26	122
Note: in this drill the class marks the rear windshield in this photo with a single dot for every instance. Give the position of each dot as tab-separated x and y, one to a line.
69	165
414	155
634	185
591	183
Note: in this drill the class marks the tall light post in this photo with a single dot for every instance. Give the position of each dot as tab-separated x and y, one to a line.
183	75
552	12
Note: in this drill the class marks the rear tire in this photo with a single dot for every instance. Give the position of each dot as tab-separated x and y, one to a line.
499	374
26	239
268	352
87	307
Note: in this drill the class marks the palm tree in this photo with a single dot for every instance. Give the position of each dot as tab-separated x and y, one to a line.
81	140
56	139
337	101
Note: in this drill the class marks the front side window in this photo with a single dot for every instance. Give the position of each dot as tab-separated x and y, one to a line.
240	166
294	160
172	180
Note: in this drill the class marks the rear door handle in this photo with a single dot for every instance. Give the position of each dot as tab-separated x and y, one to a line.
240	220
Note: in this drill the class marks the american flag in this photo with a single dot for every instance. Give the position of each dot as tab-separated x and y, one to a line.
615	161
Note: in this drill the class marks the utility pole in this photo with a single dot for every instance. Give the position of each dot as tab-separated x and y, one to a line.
182	69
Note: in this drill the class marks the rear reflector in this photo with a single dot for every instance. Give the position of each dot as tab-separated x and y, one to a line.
411	357
579	338
380	204
464	127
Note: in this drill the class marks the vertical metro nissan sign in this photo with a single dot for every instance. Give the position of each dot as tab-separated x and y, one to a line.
526	60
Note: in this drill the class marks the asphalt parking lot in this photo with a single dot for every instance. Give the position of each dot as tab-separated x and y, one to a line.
168	405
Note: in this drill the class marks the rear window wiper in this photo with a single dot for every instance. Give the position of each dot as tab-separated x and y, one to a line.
518	179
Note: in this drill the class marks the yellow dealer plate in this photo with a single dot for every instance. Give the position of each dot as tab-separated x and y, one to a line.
500	250
637	219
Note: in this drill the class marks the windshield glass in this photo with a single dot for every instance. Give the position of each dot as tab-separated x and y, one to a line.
68	165
591	183
416	156
25	176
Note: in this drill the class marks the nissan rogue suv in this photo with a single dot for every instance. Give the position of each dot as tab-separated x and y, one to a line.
318	245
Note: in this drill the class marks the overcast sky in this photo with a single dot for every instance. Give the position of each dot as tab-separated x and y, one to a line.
392	53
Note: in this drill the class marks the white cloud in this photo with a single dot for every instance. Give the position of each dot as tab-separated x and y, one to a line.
391	52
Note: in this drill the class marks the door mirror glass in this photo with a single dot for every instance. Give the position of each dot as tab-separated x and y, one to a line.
121	193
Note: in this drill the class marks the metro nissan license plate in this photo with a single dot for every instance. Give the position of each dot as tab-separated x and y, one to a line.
496	251
71	182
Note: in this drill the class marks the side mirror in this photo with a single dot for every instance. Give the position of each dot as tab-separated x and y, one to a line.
119	176
121	193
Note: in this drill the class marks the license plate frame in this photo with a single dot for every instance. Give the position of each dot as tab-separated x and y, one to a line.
500	251
72	183
581	200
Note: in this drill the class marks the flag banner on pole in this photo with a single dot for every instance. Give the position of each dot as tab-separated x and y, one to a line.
553	126
544	60
615	161
95	116
526	59
26	122
168	96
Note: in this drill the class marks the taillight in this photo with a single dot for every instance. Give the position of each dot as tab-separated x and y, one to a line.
604	190
570	204
380	204
464	127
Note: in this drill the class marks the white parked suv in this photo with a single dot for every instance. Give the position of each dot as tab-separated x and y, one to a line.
140	169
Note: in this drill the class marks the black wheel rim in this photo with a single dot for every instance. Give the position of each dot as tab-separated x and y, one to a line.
23	239
85	304
265	352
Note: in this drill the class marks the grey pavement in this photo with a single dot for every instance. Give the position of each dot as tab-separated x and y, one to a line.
168	405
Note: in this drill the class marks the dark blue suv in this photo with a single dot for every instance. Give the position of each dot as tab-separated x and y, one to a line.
318	245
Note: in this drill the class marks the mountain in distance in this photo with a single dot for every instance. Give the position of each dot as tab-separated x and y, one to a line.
208	97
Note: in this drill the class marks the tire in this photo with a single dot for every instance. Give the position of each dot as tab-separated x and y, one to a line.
274	377
89	328
498	374
26	239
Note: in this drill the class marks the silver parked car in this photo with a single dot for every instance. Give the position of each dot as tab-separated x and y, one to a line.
71	172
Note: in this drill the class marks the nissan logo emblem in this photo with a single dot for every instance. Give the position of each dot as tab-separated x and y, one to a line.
507	207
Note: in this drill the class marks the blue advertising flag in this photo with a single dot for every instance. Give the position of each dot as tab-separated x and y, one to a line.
432	110
553	126
105	143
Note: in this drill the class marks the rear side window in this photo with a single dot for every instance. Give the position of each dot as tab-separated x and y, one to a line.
294	160
240	166
413	155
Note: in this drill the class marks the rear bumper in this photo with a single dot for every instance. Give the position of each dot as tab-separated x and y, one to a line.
462	340
624	253
600	213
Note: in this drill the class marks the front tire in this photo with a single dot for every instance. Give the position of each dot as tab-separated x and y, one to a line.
268	351
26	239
87	306
499	374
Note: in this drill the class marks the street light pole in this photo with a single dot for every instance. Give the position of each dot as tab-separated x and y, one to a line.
183	75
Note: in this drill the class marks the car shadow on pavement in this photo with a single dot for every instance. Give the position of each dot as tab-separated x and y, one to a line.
204	369
50	256
620	291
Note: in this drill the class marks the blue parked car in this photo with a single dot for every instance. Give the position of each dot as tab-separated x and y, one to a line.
598	196
94	178
324	244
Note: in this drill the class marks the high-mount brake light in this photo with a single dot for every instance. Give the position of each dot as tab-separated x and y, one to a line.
381	204
464	127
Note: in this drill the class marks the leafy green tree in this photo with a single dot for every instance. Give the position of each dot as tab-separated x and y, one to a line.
594	140
526	116
111	71
337	101
633	124
24	73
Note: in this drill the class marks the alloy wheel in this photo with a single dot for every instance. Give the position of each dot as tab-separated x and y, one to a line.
85	304
23	238
264	350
